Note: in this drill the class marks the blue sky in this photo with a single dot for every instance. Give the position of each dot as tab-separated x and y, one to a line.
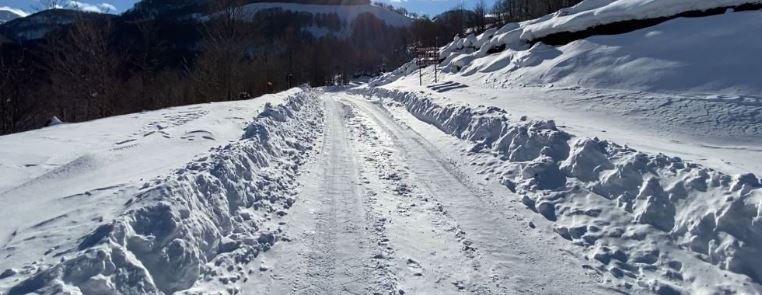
430	7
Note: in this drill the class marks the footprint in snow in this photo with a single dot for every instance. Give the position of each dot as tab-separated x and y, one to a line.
415	267
198	134
125	141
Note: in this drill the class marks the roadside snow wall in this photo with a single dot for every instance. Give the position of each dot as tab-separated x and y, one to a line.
191	226
626	207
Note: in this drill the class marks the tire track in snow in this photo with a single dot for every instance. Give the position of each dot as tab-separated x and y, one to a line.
383	212
332	235
422	247
340	243
509	263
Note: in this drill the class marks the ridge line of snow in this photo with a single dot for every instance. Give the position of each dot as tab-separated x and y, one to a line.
16	11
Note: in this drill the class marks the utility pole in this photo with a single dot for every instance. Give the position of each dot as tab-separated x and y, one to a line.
436	57
420	76
435	73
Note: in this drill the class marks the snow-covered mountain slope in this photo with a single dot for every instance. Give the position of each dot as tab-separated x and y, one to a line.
346	13
37	25
8	14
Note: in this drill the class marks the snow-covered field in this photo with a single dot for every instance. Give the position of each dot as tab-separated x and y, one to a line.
624	163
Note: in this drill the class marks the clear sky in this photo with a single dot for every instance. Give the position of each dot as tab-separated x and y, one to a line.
430	7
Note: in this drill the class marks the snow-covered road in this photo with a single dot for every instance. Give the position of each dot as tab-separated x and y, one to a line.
625	163
382	210
328	231
375	191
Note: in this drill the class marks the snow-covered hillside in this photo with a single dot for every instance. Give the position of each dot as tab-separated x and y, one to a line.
37	25
674	56
8	14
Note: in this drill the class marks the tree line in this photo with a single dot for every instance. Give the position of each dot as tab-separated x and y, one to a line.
96	67
520	10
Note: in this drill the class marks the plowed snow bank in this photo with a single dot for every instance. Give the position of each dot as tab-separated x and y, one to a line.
657	220
197	224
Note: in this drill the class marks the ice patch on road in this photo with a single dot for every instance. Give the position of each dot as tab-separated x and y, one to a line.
653	220
194	226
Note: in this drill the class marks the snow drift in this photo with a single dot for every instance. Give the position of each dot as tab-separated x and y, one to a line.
669	56
653	219
197	224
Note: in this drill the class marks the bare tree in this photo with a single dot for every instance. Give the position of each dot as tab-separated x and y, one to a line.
53	4
83	68
224	48
480	11
501	11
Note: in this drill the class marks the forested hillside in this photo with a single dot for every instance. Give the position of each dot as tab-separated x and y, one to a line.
79	66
